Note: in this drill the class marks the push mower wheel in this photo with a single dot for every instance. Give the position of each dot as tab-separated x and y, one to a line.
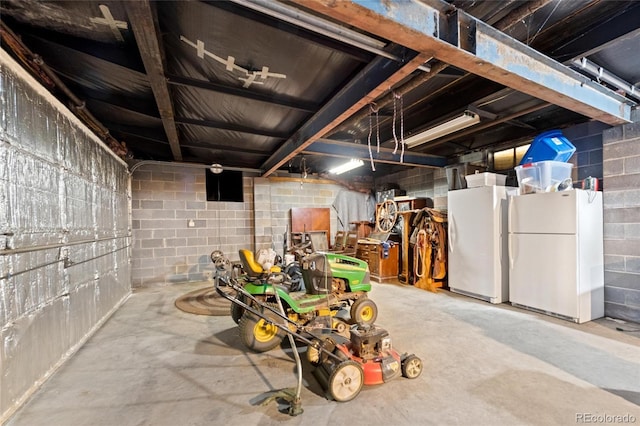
258	334
236	310
345	382
411	367
364	311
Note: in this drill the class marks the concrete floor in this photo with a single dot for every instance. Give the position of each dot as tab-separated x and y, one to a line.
152	364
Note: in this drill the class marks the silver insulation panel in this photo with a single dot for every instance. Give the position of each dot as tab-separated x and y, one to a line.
64	233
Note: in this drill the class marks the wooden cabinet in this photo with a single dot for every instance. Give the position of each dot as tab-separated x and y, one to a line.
310	219
411	203
363	228
380	268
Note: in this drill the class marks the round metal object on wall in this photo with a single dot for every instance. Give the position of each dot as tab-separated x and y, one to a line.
386	215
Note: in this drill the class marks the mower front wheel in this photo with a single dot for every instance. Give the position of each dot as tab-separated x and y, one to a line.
345	382
259	334
411	367
364	311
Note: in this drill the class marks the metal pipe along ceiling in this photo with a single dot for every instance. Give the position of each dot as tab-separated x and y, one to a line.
191	165
604	75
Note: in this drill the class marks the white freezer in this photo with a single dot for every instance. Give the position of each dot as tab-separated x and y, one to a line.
542	284
478	261
556	259
544	213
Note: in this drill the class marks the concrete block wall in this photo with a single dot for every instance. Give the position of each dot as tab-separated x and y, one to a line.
274	199
265	217
621	155
64	234
421	182
166	201
166	198
587	160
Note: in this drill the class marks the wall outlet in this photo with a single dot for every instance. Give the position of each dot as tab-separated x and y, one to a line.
191	223
208	275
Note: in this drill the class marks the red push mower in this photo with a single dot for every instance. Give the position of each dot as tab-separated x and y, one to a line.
343	365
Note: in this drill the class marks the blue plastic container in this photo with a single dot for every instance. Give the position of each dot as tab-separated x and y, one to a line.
549	146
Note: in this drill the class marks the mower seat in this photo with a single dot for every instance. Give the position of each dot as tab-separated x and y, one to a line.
252	268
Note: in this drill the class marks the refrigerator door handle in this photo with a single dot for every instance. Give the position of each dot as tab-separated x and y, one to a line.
509	232
501	236
451	232
509	213
510	247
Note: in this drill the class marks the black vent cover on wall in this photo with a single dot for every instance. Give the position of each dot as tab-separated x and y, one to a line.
224	186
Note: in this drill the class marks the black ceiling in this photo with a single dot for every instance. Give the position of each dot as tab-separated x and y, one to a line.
243	82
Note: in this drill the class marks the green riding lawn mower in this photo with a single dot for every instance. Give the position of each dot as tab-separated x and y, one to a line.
331	314
332	284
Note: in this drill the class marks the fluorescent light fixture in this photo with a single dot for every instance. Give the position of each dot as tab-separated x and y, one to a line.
349	165
467	119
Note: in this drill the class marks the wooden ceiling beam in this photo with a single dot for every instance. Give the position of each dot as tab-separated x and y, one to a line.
143	24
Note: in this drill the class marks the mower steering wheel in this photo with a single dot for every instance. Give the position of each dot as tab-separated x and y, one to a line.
216	254
386	215
222	264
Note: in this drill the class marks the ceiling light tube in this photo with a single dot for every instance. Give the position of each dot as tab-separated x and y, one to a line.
467	119
349	165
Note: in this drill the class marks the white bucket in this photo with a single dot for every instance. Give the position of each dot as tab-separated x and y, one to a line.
289	258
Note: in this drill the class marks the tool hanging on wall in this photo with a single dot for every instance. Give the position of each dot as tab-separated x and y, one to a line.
430	249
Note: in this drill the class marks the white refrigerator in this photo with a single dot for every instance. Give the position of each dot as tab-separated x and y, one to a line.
478	255
556	254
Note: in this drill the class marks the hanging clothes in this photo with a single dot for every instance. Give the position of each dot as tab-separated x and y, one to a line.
353	206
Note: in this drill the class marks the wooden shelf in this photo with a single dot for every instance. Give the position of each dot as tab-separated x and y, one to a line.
411	203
